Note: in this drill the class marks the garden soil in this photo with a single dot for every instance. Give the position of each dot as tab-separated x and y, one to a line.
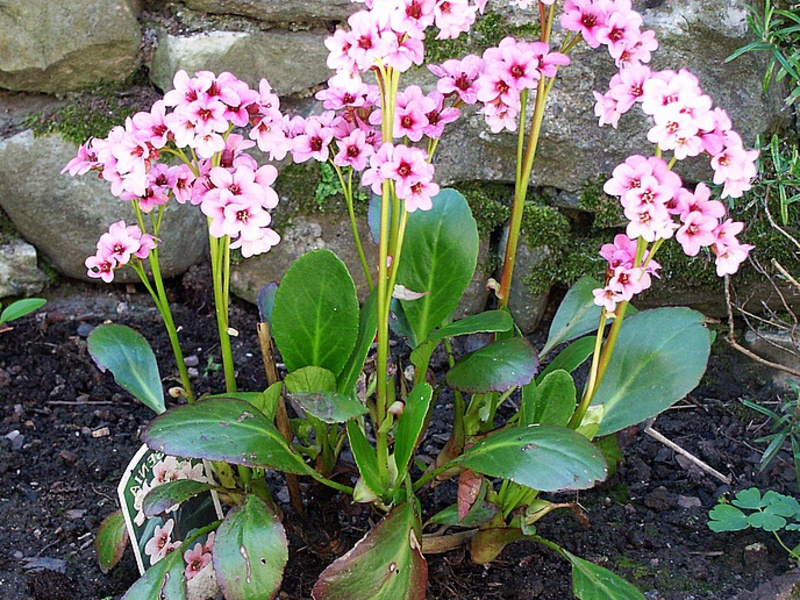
67	431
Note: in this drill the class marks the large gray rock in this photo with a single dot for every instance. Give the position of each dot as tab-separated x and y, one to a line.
66	45
64	216
19	273
278	10
248	55
695	35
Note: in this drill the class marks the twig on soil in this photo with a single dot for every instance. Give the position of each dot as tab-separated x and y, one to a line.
81	402
691	457
732	341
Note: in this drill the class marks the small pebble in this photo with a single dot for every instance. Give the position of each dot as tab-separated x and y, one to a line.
191	361
84	329
689	502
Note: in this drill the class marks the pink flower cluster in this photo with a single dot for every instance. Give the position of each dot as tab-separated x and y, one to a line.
497	79
197	116
659	207
115	249
391	32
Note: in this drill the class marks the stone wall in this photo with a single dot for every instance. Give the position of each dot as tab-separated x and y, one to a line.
49	50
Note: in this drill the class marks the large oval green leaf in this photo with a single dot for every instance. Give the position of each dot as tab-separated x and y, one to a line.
315	313
129	357
386	564
330	407
660	356
593	582
542	457
223	429
440	253
496	367
250	552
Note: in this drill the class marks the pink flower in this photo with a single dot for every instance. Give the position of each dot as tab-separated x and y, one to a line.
697	231
100	267
453	17
196	559
586	17
353	151
160	544
459	77
313	142
410	116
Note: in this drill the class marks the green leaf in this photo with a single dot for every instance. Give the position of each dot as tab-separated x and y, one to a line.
250	552
330	407
576	316
386	564
570	358
111	541
749	498
367	328
129	357
168	494
411	424
496	367
165	579
365	456
593	582
223	429
725	517
20	308
542	457
766	521
551	402
660	357
490	321
310	379
440	253
315	314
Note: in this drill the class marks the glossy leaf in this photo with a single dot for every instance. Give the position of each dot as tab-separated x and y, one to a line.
367	329
660	356
542	457
20	308
551	402
576	316
411	423
315	313
168	494
223	429
490	321
593	582
310	379
440	253
128	356
365	456
386	564
111	541
570	358
165	579
250	552
330	407
496	367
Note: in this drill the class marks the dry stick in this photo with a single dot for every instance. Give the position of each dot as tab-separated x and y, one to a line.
732	341
281	417
694	460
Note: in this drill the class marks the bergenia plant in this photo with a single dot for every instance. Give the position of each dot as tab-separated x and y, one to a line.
382	135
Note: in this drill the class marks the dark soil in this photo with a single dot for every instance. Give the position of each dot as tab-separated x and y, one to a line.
68	431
